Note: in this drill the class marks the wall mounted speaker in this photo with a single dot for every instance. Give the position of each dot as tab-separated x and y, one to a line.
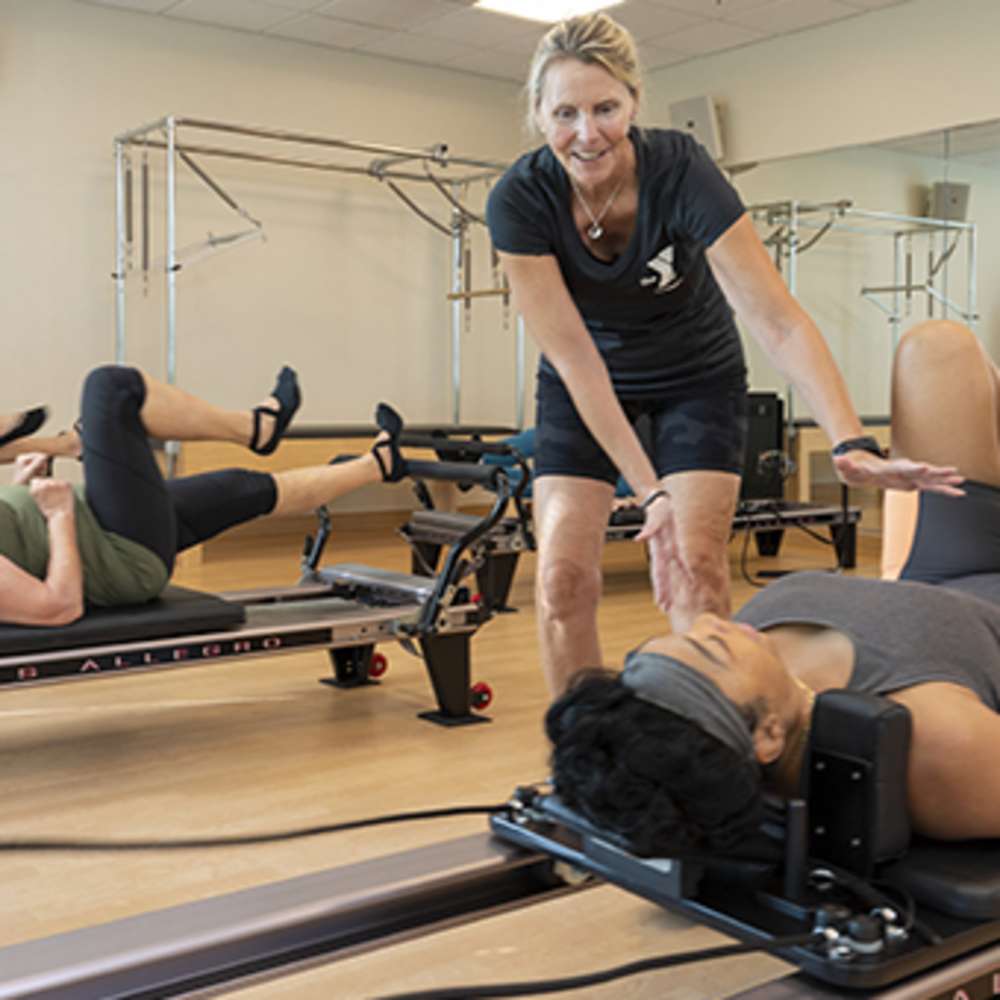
700	117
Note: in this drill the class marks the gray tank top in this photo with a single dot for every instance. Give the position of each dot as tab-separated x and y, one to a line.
903	633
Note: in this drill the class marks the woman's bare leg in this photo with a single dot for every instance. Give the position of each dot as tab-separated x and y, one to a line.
703	506
570	516
170	413
301	491
65	445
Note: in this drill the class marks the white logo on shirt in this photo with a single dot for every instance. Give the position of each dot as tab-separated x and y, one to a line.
665	278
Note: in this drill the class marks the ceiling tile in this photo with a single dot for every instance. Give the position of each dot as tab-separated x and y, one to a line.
481	27
658	56
146	6
415	48
709	36
873	4
329	31
387	13
791	15
646	20
245	14
299	5
492	62
714	9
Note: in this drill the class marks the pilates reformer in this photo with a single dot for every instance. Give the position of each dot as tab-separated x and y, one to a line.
346	609
429	531
887	918
885	913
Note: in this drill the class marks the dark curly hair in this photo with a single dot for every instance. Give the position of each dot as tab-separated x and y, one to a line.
656	779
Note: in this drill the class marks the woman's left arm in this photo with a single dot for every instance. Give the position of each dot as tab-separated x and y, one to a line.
797	349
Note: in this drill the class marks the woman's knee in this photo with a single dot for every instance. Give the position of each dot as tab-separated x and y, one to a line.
936	342
566	588
108	381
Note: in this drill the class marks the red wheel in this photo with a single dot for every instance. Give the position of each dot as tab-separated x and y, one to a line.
482	695
378	666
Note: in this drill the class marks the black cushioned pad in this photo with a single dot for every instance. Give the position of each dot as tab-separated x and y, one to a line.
961	879
178	611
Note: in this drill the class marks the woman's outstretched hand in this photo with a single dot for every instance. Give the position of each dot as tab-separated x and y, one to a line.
664	557
862	468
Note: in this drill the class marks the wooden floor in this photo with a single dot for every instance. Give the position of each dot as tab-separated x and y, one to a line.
260	745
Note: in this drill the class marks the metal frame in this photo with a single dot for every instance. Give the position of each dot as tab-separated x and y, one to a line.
792	216
392	164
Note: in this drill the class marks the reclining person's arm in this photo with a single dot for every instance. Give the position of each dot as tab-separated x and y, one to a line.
58	599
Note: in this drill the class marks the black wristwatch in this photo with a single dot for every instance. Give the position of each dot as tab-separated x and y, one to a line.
865	443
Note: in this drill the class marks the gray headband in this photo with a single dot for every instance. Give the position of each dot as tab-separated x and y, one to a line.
670	684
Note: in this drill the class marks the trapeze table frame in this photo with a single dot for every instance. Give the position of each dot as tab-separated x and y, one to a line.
390	165
792	216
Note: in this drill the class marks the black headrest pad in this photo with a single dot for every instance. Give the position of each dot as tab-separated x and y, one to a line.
177	611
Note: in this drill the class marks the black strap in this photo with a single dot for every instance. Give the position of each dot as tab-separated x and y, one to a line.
864	443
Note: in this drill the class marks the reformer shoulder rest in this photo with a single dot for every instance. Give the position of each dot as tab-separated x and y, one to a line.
177	611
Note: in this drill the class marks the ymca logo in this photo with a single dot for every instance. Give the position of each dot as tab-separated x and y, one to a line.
664	278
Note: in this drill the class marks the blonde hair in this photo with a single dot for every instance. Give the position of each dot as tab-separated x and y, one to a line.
595	39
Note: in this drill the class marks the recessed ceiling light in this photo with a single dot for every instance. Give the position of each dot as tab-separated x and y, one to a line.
549	11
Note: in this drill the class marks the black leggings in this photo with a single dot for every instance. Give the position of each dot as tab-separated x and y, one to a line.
126	490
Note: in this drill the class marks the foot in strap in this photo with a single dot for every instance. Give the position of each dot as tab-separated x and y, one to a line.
286	392
24	424
386	448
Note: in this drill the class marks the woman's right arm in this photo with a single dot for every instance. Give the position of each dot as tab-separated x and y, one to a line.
58	599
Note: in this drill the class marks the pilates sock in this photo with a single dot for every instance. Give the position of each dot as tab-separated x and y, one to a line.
391	422
286	392
30	421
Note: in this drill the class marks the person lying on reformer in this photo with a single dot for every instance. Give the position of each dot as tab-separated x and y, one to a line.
673	753
114	540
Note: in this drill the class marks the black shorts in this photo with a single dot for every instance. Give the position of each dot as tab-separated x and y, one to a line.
956	537
680	434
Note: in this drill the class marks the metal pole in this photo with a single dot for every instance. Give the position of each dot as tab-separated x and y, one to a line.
897	277
793	278
119	253
519	371
171	182
171	199
457	257
973	318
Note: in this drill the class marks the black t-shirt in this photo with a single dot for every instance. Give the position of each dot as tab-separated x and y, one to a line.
656	313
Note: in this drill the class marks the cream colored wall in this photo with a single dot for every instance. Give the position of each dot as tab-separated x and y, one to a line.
349	286
907	69
900	70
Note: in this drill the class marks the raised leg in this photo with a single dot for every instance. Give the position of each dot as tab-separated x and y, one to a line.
945	392
171	413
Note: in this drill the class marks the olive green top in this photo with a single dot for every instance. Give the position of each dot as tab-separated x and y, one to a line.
116	570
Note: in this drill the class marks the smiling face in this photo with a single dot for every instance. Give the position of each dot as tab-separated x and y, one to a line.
584	114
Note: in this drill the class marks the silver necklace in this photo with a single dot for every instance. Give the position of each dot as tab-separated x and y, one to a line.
595	230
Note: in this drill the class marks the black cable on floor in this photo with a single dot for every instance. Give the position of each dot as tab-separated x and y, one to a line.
238	840
605	976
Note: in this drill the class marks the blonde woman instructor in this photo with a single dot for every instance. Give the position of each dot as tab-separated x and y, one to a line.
628	253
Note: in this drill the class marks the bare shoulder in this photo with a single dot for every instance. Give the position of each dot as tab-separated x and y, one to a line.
953	781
